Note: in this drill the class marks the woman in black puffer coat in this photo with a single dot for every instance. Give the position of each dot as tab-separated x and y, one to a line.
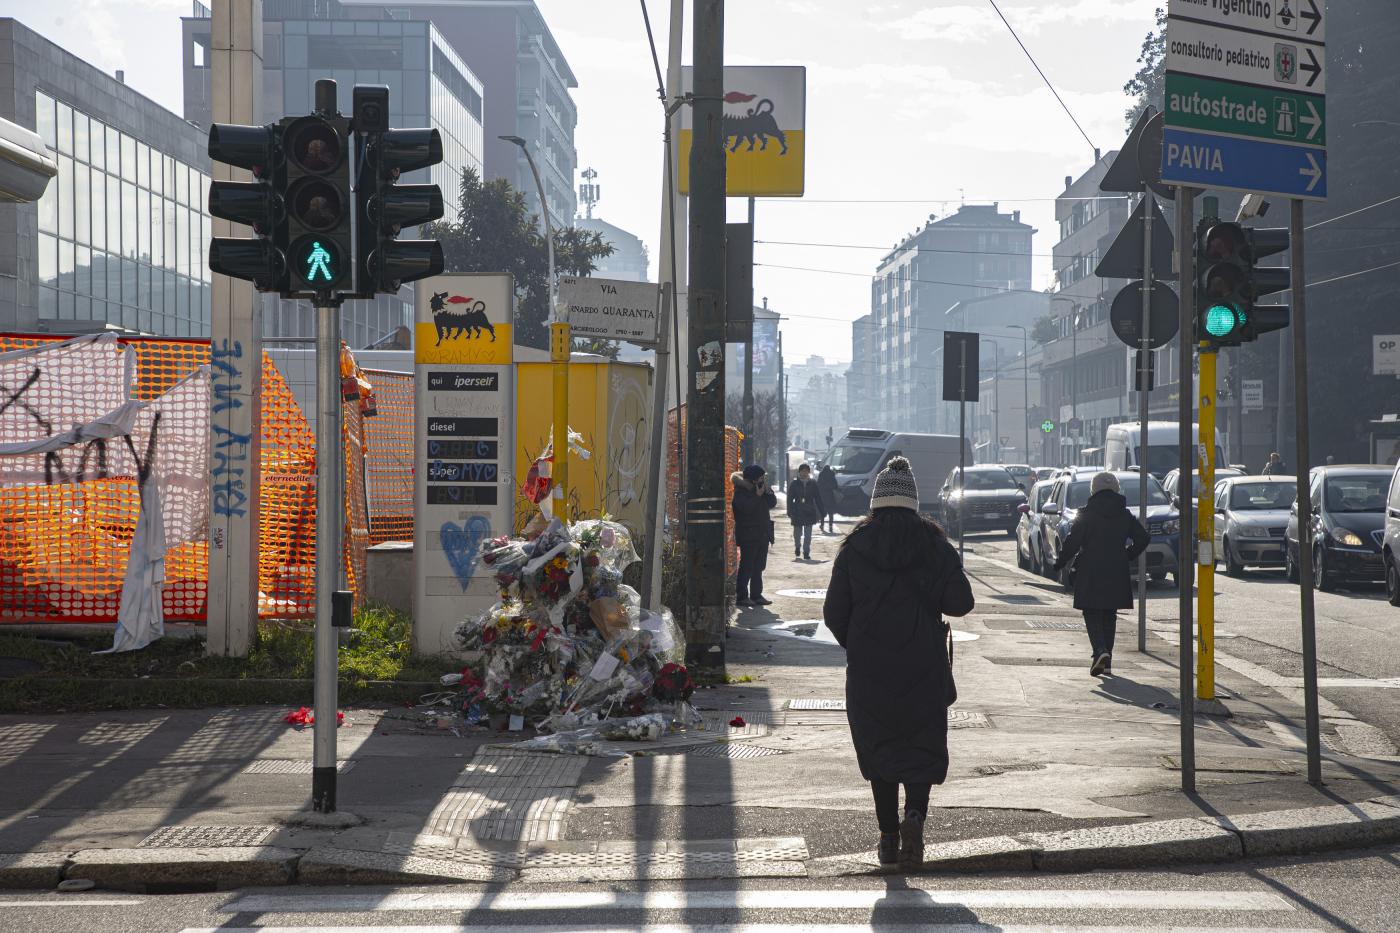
894	579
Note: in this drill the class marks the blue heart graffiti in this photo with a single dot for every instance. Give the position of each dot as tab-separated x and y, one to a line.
462	545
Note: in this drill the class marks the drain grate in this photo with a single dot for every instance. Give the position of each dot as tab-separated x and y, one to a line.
989	770
201	837
967	719
1054	625
816	704
287	766
734	750
1036	662
1021	598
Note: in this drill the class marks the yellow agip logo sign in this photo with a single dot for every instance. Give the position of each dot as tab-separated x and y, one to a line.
765	115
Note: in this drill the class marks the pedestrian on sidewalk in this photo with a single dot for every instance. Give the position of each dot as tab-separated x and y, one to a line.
753	531
826	485
894	579
1275	466
1102	574
804	509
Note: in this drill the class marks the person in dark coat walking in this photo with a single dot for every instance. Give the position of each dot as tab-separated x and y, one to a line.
894	579
1106	538
826	485
1275	466
804	509
753	531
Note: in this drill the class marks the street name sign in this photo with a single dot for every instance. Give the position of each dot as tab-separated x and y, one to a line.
611	309
1245	96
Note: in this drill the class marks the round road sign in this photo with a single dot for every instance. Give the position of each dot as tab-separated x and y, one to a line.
1126	316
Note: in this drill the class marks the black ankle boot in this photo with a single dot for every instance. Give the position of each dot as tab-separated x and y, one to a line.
889	848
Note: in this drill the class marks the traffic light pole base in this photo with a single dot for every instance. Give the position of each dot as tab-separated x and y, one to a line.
323	789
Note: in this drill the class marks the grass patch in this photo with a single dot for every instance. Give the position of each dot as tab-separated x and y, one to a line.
376	663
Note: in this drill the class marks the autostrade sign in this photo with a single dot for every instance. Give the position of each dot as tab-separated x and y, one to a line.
1194	102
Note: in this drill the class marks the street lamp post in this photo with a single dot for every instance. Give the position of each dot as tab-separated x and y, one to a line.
559	346
1025	385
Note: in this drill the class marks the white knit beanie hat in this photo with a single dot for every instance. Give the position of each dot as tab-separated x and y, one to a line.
895	487
1102	481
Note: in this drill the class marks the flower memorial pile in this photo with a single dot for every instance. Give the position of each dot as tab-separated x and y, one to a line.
568	642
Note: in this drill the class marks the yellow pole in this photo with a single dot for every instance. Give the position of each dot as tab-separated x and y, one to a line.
1205	525
559	343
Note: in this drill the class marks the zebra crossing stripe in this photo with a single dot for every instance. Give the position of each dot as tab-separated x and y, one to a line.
977	899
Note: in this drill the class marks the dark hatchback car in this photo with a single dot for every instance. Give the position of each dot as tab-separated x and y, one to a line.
1348	525
987	499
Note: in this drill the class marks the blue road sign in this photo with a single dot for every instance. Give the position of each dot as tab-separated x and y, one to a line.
1207	160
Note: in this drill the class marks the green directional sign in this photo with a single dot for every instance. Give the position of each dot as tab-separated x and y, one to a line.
1216	106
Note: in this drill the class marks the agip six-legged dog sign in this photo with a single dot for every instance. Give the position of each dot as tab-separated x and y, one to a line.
765	116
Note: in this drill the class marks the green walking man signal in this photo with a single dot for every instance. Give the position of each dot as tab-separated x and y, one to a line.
318	260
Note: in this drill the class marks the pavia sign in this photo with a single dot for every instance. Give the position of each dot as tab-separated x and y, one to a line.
611	309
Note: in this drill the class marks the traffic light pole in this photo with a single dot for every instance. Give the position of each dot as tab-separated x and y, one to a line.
1298	290
1186	563
1205	545
330	471
1144	342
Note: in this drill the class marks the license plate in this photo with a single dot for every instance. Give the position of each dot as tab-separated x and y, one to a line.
991	515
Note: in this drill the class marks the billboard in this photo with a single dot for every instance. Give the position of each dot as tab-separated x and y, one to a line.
765	122
765	354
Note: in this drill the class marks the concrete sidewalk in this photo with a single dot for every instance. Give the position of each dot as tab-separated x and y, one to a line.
1051	769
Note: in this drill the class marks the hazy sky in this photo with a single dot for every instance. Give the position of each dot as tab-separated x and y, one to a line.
912	106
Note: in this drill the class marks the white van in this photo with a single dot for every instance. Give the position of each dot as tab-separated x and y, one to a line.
863	452
1123	443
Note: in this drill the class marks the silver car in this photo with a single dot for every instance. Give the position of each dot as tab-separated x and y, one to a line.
1251	515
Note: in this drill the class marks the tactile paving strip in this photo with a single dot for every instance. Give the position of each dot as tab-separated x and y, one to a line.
205	836
989	770
734	750
966	719
1054	625
285	766
816	704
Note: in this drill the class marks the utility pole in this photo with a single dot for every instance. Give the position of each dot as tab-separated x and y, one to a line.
748	350
236	330
782	416
704	501
1144	370
1186	556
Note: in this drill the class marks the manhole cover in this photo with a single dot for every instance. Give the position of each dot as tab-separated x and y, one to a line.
803	594
18	667
1233	765
1054	625
734	750
205	836
989	770
816	704
284	766
966	719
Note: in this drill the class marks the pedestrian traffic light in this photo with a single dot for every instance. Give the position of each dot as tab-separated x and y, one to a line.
383	207
1231	281
260	258
320	244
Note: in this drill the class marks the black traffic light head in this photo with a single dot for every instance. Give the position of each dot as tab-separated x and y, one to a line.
1266	280
258	204
320	249
1222	302
383	208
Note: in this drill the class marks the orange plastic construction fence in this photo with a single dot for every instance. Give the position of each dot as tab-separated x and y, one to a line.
389	458
63	548
675	467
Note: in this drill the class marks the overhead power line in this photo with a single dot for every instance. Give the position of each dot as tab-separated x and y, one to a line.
1042	76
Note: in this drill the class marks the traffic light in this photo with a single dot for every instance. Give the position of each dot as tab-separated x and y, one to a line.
383	207
259	259
320	246
1230	283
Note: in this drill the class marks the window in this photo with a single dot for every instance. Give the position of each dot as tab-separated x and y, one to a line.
370	53
456	83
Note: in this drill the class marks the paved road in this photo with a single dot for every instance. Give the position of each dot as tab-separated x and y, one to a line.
1348	891
1258	621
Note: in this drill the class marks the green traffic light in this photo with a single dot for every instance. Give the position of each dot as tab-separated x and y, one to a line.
1222	320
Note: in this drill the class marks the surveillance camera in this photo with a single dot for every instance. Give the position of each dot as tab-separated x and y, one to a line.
1252	205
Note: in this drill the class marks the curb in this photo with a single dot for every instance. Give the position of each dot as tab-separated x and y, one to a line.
1194	840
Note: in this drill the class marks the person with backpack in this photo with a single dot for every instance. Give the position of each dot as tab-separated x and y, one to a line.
753	531
804	508
826	486
894	579
1103	581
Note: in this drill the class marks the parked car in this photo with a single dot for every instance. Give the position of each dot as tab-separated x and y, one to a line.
1071	493
1251	516
1390	549
1348	525
987	498
1028	529
1173	480
1022	473
1043	473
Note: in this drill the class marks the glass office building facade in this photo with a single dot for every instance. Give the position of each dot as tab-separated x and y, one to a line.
122	230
